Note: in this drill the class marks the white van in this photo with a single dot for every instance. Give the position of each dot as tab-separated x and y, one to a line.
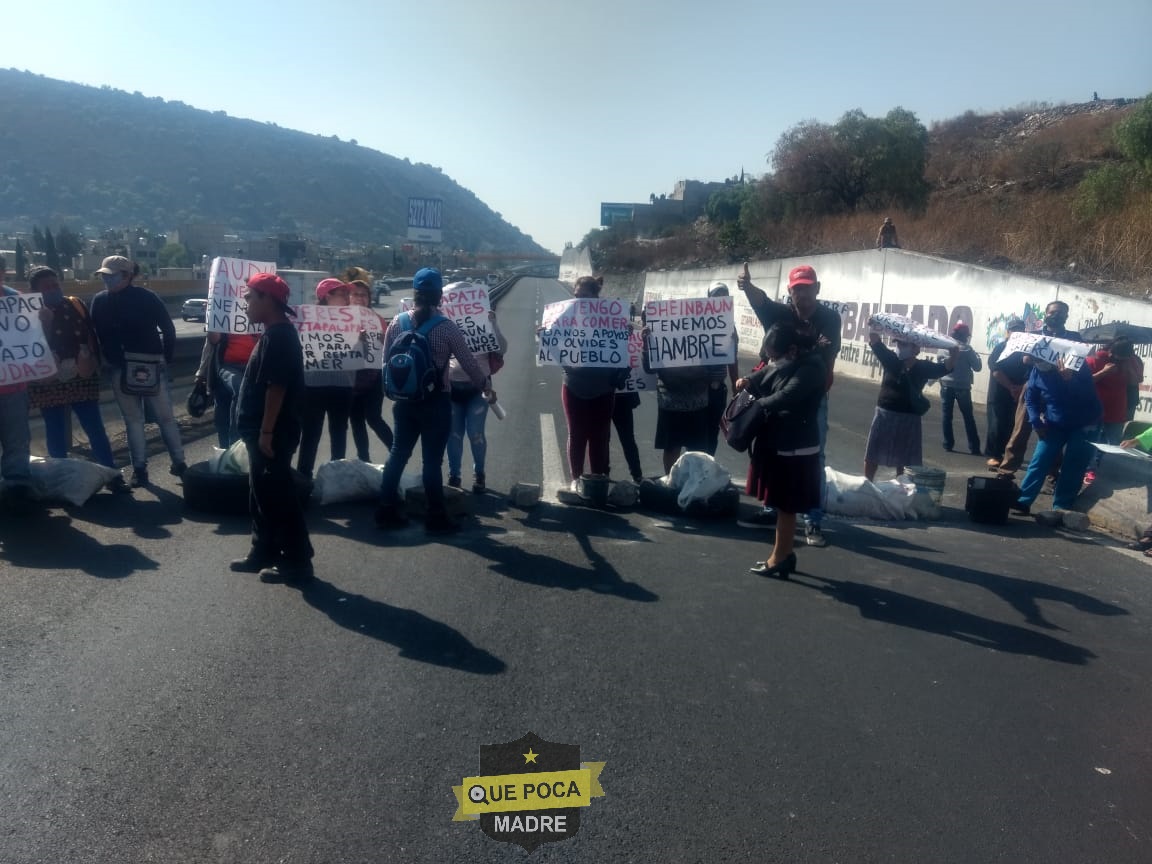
493	279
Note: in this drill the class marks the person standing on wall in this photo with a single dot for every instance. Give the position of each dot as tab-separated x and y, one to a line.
956	389
819	324
134	329
886	237
266	420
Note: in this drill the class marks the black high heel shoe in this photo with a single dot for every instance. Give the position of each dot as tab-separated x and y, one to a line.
777	571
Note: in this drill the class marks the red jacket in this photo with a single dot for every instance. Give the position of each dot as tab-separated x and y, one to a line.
1111	386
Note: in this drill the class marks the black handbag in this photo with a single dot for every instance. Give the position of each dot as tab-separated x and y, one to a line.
198	399
742	421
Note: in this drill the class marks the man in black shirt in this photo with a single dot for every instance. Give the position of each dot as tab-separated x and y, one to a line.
821	324
1007	377
267	421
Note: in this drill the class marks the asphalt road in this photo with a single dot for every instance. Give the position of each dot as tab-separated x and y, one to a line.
920	692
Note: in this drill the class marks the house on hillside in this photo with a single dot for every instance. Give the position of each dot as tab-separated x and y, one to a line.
686	204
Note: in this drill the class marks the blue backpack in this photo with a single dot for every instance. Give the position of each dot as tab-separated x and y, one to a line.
410	374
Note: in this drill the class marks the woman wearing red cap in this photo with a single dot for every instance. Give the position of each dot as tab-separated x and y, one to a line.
326	392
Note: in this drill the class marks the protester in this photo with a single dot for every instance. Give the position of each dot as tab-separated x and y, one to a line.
367	407
896	437
1065	412
1055	317
428	419
624	421
470	414
1133	368
886	237
821	325
134	328
682	414
1006	379
1110	379
588	394
222	364
266	419
76	386
15	437
718	374
956	389
326	392
785	462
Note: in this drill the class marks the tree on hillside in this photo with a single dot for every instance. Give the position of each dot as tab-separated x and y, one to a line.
1134	135
860	162
172	255
37	239
51	255
68	243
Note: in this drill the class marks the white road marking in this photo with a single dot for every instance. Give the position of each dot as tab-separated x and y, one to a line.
554	474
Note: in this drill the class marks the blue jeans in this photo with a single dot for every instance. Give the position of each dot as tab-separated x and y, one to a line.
15	439
1078	450
816	515
963	398
56	430
224	395
470	417
428	421
132	410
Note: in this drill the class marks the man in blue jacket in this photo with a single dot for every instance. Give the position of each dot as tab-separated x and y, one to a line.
1064	411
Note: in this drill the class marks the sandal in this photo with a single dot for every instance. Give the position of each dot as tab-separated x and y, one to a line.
1144	544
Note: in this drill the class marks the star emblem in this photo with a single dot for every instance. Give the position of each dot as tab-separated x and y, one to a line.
530	756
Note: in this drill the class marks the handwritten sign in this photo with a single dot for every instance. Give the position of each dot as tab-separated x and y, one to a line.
638	381
227	311
690	332
1048	348
585	332
468	305
330	337
24	352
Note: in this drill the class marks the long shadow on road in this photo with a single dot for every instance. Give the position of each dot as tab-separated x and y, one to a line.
53	542
417	636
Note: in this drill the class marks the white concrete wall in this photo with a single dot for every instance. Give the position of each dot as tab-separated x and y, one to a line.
574	263
932	290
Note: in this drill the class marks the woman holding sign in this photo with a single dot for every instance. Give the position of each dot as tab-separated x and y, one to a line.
896	437
470	413
367	393
326	392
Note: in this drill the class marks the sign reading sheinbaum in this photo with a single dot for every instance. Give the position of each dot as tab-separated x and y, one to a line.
424	219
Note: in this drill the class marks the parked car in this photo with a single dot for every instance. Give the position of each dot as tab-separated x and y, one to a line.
194	310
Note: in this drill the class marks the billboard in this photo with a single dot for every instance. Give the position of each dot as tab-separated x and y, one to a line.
424	215
610	214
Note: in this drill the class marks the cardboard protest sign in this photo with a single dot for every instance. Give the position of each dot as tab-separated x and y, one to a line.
24	352
227	311
638	381
1048	348
468	305
591	331
330	337
904	329
690	332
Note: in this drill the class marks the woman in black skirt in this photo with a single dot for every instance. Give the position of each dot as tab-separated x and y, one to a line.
896	437
785	468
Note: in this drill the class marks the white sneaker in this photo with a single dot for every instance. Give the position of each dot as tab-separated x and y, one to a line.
575	487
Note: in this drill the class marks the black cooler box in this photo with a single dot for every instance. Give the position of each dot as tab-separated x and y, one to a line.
989	498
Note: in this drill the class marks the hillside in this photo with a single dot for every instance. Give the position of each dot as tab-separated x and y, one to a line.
1044	191
94	157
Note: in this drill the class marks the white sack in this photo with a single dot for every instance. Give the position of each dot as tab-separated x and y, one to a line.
698	477
347	480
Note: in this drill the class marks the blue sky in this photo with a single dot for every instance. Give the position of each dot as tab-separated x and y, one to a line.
545	110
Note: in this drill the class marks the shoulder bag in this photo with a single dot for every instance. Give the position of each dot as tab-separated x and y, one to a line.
140	374
743	421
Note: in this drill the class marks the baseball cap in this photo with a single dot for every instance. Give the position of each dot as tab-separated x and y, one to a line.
273	286
718	289
961	327
1014	323
428	281
115	264
802	275
327	286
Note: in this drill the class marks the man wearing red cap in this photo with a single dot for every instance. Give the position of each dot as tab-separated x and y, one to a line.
266	418
820	323
956	389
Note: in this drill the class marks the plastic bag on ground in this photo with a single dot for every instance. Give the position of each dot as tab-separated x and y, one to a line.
215	459
72	481
854	495
347	480
235	459
698	477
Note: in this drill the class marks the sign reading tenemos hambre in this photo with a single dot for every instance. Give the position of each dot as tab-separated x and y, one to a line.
690	332
24	352
585	332
227	309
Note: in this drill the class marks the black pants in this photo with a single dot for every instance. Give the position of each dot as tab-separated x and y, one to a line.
278	528
368	413
336	402
622	419
961	398
1001	419
717	402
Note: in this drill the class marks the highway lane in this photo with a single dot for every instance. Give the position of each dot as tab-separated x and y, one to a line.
921	692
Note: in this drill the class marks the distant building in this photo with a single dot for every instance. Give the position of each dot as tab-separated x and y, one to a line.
686	204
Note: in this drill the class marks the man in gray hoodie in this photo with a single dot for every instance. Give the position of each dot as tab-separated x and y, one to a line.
956	389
